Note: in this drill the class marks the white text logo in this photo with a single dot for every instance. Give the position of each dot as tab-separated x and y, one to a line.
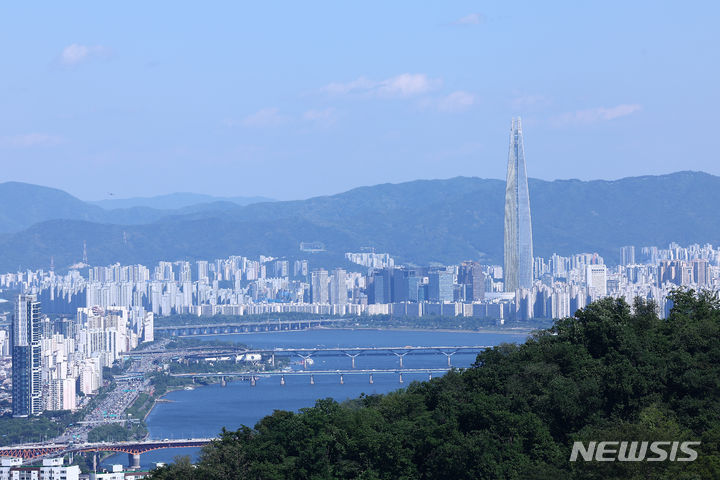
634	451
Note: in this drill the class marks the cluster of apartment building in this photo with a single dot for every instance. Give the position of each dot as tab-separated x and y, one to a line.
374	285
57	361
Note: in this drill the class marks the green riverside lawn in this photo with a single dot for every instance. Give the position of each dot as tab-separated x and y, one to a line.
610	373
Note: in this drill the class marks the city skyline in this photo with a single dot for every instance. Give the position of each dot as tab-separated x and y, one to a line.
291	240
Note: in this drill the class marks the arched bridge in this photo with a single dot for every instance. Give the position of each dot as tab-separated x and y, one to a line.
133	449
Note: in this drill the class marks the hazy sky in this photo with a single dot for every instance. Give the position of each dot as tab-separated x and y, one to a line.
295	99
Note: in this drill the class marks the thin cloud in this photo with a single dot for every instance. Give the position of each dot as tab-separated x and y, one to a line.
327	116
529	101
360	84
30	140
76	53
470	19
267	117
599	114
457	102
399	86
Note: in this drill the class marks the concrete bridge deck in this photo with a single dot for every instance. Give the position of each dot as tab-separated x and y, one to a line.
226	328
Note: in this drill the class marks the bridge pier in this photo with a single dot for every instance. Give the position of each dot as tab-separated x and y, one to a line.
352	356
134	461
312	379
401	379
449	355
400	357
305	358
342	379
252	381
371	379
282	380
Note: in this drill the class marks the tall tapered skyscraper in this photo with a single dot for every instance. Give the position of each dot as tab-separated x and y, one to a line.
518	268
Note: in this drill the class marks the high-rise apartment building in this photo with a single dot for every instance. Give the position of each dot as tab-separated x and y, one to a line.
701	272
470	274
338	289
203	272
27	357
518	268
596	279
628	255
62	394
319	286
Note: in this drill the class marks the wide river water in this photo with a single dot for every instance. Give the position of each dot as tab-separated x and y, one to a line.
204	411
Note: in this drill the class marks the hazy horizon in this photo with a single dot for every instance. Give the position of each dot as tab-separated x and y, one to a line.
270	198
294	102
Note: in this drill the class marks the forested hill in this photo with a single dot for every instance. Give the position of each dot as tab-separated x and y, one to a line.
420	222
606	374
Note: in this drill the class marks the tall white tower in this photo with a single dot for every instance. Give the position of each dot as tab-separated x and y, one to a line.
518	268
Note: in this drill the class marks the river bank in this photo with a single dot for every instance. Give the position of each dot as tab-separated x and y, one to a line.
163	385
205	410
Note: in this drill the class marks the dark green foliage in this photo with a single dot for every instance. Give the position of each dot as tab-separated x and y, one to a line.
26	430
180	469
108	433
35	429
141	406
606	374
162	383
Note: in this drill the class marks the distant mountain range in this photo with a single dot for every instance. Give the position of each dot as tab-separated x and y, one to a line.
173	201
30	204
424	221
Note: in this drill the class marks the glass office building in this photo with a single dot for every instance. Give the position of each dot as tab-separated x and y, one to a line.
518	268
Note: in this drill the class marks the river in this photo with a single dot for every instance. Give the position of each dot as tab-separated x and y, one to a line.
204	411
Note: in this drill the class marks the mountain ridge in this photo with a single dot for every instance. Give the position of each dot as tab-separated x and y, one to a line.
421	221
35	203
174	201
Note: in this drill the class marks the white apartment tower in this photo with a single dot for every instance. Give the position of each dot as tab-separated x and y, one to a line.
596	280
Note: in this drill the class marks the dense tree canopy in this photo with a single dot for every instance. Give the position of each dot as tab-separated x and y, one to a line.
612	372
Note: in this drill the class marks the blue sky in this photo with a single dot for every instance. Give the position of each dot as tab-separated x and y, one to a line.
296	99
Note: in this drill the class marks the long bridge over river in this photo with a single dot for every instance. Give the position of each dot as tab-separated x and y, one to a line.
254	376
133	449
306	353
226	328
